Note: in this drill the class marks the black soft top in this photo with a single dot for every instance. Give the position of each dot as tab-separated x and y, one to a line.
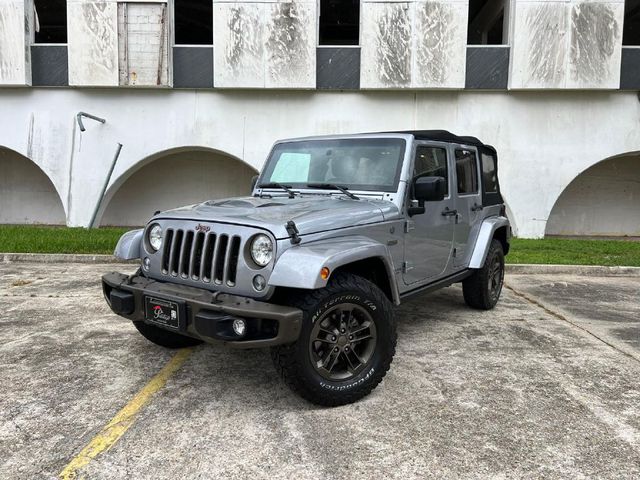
444	136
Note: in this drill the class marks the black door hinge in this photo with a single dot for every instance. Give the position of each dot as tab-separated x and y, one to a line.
293	232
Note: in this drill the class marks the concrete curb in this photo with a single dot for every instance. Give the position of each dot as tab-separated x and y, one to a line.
514	269
60	258
587	270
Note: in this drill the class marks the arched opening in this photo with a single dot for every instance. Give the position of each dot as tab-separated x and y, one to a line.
174	179
26	193
604	200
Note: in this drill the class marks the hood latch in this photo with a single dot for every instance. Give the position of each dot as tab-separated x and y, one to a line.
293	232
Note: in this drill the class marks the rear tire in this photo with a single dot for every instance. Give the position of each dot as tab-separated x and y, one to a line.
164	338
482	289
346	345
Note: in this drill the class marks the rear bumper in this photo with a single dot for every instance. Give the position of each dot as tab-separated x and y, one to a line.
208	315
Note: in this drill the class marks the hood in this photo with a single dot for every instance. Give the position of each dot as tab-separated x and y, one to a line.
311	214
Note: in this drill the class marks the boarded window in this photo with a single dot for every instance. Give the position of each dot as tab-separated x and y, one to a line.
142	44
193	22
486	22
339	22
466	172
50	21
631	29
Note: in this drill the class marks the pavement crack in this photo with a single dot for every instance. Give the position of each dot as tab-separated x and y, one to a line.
564	318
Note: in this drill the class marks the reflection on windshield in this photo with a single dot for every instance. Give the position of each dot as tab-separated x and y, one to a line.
359	164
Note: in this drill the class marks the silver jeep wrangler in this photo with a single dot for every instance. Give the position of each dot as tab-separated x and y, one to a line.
337	230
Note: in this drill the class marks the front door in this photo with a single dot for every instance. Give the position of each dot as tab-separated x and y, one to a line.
468	201
429	237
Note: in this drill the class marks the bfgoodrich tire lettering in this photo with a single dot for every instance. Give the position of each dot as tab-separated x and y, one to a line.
298	362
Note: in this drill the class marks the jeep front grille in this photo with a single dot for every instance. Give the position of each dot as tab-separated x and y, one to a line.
199	256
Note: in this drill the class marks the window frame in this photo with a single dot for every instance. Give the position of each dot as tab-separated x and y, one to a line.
414	158
479	187
266	172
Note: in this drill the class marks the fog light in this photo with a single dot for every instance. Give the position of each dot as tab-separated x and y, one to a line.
146	263
239	327
259	283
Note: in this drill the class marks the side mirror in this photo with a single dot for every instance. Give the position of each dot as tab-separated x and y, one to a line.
427	189
254	180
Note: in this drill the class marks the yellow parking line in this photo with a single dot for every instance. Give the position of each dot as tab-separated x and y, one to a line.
119	424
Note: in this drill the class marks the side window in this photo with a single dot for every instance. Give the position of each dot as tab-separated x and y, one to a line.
432	162
489	177
466	171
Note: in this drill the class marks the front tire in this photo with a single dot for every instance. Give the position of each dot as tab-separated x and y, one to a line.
165	338
346	345
482	289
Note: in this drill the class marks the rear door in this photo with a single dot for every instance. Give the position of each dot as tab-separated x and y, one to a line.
468	203
429	236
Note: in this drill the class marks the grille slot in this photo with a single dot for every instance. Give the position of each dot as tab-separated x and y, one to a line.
199	256
166	249
174	256
219	259
232	266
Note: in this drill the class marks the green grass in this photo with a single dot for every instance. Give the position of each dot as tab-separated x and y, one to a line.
41	239
563	251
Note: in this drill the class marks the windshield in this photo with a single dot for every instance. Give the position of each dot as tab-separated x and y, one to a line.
370	164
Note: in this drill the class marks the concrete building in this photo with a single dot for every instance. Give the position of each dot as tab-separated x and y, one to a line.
197	91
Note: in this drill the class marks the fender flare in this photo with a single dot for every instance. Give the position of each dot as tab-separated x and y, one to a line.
128	247
299	266
483	241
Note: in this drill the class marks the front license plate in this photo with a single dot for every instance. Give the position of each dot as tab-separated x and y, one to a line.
162	312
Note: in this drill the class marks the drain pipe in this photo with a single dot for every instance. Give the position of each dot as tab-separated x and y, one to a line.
88	115
106	184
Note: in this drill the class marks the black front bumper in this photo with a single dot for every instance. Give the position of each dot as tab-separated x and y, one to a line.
208	315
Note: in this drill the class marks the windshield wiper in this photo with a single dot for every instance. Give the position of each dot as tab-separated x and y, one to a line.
332	186
286	188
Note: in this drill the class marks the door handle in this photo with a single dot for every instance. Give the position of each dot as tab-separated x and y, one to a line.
476	207
449	213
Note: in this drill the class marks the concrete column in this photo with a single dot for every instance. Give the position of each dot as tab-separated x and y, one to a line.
93	42
16	22
264	44
414	44
558	44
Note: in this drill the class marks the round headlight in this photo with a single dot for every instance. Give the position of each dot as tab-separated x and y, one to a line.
155	237
261	250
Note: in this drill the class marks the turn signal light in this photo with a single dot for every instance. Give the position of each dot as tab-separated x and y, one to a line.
324	273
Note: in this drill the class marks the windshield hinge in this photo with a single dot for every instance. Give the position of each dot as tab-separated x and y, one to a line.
292	230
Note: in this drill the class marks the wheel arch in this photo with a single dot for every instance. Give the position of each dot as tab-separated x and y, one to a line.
493	227
300	266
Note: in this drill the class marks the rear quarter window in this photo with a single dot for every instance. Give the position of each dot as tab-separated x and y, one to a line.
489	174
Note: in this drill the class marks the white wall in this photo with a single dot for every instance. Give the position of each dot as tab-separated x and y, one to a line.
604	200
176	180
544	139
26	194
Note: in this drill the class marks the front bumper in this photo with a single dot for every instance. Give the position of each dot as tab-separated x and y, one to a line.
208	314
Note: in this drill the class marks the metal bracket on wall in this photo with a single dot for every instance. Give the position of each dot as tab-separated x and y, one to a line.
88	115
104	187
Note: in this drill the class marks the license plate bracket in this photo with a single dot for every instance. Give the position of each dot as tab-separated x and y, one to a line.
164	312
